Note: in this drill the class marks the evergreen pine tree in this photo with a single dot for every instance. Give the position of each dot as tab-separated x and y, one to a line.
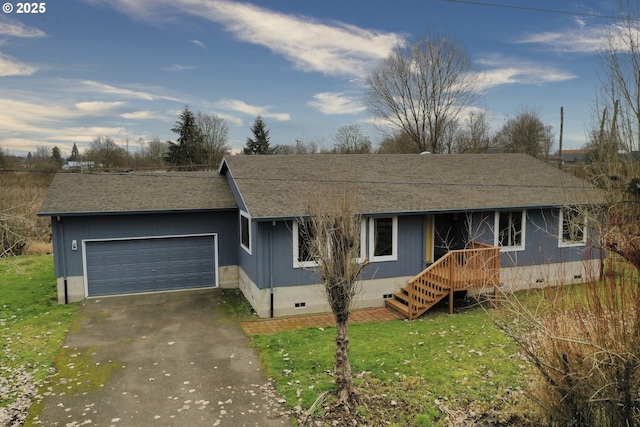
75	154
56	157
260	143
188	152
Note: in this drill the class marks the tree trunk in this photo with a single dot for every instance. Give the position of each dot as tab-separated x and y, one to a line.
342	369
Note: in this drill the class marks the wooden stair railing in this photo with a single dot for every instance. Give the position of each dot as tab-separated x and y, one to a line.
464	269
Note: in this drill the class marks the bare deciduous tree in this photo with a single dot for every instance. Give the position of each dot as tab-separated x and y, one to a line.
616	137
525	133
421	89
585	341
104	151
474	134
332	235
350	140
215	137
399	143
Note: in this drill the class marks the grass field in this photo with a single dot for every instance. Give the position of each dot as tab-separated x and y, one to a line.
423	369
32	326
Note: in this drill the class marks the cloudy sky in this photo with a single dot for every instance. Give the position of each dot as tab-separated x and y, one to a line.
126	68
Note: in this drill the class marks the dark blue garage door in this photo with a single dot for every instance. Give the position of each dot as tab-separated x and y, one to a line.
149	265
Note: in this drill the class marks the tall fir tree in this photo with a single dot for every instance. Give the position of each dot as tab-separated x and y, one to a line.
75	154
260	142
188	152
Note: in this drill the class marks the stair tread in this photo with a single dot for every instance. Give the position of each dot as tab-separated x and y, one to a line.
398	306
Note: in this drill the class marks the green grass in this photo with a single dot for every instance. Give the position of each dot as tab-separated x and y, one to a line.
32	323
457	361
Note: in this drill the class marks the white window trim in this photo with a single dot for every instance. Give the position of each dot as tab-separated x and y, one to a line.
496	233
569	244
394	240
296	250
248	217
363	241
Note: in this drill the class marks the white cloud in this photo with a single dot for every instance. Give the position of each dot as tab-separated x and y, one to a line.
147	115
334	48
177	67
96	108
106	89
501	70
336	103
584	38
199	43
18	29
12	67
254	110
574	40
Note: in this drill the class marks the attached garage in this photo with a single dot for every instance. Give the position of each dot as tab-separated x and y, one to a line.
125	266
130	233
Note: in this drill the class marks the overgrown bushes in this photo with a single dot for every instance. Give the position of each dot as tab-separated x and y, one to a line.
21	194
584	343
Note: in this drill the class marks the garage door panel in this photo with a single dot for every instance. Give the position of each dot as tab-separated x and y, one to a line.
147	265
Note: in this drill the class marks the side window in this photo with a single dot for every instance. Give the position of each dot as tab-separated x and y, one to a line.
510	230
383	238
245	232
573	229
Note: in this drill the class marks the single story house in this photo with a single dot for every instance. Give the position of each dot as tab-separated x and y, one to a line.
239	227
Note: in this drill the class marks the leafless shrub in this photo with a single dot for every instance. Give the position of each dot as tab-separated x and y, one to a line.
21	195
583	342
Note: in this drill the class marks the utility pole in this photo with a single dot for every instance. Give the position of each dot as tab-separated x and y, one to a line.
560	142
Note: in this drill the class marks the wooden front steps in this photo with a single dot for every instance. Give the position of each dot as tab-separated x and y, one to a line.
459	270
400	303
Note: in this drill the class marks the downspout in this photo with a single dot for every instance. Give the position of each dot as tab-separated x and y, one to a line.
273	224
63	258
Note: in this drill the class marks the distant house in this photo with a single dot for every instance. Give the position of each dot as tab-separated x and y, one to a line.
571	156
70	165
507	214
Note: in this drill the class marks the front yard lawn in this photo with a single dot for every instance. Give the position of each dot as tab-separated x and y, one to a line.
416	372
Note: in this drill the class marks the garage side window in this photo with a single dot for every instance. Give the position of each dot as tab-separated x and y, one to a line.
245	231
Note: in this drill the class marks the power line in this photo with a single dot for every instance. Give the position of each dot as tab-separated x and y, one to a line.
538	9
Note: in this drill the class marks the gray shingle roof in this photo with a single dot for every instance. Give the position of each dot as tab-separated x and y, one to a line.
73	193
281	186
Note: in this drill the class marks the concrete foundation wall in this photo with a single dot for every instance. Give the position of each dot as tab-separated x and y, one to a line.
537	276
307	299
75	289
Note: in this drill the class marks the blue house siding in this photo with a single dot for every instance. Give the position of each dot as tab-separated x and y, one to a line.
271	261
541	239
79	228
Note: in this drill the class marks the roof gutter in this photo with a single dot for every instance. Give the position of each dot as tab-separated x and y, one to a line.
138	212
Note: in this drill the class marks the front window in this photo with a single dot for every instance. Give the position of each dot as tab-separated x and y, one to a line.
573	230
383	239
509	230
303	237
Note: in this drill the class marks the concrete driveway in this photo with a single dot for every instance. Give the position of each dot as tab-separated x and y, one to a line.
168	359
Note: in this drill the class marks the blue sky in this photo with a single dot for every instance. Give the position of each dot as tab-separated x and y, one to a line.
126	68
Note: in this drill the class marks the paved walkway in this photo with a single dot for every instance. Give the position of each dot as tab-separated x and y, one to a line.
272	326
